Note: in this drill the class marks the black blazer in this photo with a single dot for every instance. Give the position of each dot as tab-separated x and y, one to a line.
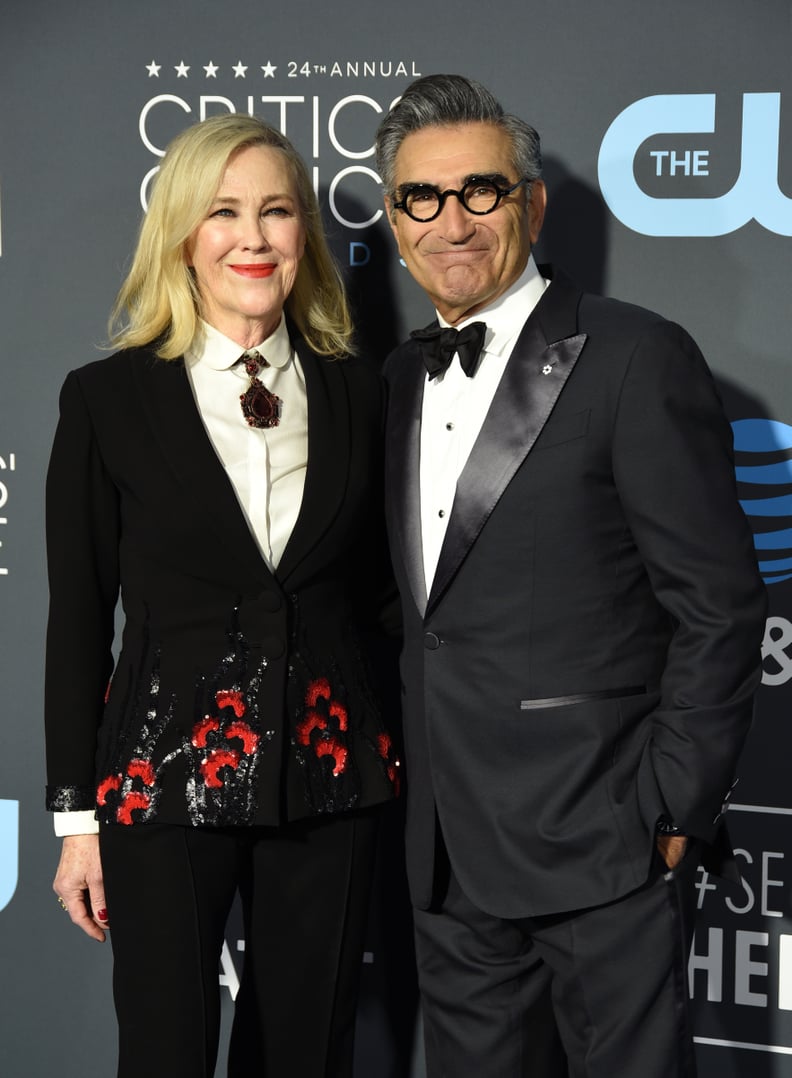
587	657
239	696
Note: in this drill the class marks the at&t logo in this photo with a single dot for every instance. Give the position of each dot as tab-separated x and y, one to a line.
755	194
9	850
763	449
764	477
776	658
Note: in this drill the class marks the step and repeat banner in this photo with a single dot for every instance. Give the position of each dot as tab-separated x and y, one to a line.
667	134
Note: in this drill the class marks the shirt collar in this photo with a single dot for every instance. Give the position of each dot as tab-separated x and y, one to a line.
213	349
507	315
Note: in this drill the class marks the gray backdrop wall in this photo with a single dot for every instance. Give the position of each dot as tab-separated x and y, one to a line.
668	139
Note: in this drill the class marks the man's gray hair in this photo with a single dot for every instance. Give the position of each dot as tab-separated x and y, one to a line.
447	101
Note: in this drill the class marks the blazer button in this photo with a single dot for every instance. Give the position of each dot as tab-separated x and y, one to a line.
432	641
256	620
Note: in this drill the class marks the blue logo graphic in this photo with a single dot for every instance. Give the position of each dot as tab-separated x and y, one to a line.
9	850
765	443
754	196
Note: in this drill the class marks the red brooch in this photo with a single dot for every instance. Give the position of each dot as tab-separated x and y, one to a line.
261	408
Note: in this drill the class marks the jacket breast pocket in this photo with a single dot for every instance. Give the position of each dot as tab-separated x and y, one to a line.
563	429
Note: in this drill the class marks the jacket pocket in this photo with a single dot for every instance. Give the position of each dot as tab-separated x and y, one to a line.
581	697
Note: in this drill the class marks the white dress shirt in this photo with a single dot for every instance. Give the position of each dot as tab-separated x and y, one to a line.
266	466
455	406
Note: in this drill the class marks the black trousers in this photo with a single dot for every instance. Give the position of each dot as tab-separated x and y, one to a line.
304	890
595	993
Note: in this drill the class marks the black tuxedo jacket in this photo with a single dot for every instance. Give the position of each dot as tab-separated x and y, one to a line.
586	658
239	696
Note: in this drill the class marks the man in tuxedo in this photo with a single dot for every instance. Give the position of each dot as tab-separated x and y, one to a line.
583	618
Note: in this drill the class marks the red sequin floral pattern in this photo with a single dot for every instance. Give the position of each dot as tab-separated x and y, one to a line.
136	786
227	744
386	750
324	726
218	755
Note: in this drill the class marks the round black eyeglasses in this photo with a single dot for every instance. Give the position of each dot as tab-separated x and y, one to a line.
423	202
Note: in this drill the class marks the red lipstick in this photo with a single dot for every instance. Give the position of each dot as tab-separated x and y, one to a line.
254	269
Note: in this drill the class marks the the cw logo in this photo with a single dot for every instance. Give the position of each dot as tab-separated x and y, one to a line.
754	196
9	850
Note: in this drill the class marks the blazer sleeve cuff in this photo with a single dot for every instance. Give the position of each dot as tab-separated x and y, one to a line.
70	798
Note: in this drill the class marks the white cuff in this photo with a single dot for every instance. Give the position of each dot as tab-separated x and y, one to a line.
83	822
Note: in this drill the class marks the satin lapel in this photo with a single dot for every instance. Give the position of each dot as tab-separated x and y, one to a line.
328	456
402	456
534	377
168	401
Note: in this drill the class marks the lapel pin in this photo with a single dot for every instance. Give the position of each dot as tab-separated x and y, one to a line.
547	369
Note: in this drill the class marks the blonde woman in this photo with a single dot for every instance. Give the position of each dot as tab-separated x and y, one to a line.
221	473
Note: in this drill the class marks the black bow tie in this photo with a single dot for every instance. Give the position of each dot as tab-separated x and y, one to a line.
439	345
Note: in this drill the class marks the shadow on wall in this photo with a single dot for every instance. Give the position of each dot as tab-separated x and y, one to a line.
368	275
574	236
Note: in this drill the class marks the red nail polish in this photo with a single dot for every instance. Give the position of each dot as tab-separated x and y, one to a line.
102	915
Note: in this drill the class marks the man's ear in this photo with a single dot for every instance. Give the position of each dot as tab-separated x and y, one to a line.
391	213
537	205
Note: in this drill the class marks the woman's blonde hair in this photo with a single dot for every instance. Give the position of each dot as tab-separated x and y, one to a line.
159	300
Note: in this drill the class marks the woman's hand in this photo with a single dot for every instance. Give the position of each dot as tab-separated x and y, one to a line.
79	885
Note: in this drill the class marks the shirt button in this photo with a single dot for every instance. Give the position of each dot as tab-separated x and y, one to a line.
449	426
441	513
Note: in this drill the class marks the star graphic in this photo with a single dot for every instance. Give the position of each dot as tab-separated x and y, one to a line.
153	70
239	70
181	70
269	70
211	70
